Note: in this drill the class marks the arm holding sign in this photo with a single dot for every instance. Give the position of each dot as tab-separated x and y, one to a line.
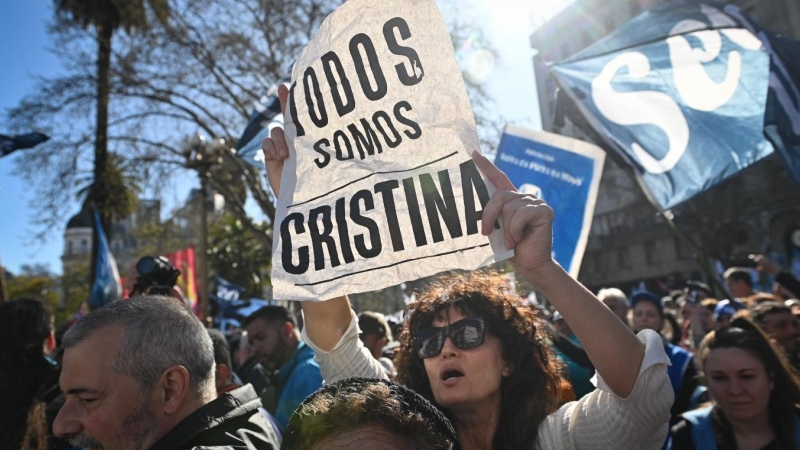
326	323
633	383
613	348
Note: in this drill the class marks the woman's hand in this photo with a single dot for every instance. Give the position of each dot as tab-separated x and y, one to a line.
275	149
527	221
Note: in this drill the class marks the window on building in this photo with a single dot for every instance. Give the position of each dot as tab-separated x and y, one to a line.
84	246
651	253
69	248
624	258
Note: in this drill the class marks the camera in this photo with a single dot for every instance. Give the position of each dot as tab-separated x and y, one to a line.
156	276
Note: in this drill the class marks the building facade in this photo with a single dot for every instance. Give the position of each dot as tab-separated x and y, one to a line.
756	211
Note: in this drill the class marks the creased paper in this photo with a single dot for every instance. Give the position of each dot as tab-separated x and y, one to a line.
379	187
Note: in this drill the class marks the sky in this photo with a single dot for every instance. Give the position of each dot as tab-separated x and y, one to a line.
24	53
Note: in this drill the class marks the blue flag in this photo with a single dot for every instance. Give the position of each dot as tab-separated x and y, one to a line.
562	171
9	144
227	291
106	287
684	93
266	116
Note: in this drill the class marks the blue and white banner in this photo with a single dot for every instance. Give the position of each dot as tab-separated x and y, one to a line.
266	116
227	291
680	93
562	171
107	286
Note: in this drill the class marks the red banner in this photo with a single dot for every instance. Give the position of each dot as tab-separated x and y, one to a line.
185	261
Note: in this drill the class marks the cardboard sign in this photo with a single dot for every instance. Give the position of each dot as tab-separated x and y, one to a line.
379	187
565	173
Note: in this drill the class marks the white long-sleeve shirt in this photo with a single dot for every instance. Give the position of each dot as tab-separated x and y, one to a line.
598	421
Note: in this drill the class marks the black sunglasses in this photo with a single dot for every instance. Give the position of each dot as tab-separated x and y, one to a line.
465	334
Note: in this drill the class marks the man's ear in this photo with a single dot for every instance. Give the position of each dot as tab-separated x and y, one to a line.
173	388
223	375
51	342
287	330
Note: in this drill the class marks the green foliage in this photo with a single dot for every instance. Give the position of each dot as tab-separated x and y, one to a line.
76	287
121	187
36	282
238	255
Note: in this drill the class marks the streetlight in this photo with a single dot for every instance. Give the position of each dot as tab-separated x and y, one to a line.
201	155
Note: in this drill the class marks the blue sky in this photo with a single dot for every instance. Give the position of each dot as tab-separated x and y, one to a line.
24	54
23	27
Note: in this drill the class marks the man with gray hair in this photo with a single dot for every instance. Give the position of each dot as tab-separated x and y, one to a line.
139	374
616	301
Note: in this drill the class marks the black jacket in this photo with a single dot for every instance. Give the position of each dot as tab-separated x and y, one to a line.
232	421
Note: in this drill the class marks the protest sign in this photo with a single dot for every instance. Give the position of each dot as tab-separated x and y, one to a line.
565	173
379	187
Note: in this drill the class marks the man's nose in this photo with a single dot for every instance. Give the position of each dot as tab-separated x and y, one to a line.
67	421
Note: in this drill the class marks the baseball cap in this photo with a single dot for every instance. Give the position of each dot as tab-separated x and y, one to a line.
727	307
374	323
645	296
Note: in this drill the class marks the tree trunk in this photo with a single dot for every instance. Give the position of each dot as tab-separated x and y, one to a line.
99	193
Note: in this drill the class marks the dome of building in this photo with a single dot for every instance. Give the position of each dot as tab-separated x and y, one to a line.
81	220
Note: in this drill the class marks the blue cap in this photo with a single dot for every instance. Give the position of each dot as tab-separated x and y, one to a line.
726	307
645	296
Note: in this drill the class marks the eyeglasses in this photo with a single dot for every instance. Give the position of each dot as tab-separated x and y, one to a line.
465	334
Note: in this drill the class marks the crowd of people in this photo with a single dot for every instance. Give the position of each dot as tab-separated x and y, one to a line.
472	366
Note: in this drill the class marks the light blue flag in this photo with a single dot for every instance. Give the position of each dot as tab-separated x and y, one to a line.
106	287
680	93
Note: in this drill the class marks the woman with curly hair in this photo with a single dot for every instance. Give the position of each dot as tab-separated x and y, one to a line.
476	352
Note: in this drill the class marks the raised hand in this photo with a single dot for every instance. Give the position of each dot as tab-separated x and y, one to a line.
527	220
275	149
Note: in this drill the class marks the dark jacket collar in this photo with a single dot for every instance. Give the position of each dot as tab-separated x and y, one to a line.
228	407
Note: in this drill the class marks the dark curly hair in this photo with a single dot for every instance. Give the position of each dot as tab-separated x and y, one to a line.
530	393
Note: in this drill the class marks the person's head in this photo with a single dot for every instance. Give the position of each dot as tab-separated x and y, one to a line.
26	326
740	282
747	377
223	373
706	314
696	291
375	332
470	343
561	325
648	312
779	323
357	413
723	313
26	335
616	301
132	370
758	298
272	333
